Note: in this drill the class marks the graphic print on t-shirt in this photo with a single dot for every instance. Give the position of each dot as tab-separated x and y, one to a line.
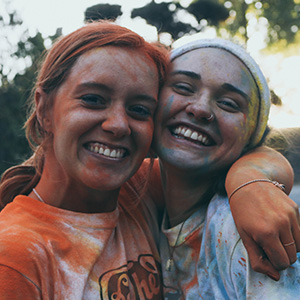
143	277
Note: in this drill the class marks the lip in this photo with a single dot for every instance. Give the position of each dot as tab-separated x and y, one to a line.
194	134
105	150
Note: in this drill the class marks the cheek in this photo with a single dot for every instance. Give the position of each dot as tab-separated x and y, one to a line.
144	135
236	132
251	119
165	107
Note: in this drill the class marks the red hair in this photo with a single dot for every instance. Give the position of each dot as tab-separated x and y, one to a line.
54	71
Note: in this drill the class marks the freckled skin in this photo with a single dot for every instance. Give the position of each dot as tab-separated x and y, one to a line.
117	81
230	129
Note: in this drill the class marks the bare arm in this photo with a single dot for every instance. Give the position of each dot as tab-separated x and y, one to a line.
265	216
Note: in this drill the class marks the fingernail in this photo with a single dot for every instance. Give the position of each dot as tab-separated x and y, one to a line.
275	277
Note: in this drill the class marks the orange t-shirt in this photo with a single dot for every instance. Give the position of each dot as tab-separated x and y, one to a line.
51	253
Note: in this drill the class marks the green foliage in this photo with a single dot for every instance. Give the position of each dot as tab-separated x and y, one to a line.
14	147
282	17
210	10
102	12
164	16
13	96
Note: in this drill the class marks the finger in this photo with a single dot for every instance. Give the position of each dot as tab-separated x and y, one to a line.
296	233
287	239
290	249
258	259
277	254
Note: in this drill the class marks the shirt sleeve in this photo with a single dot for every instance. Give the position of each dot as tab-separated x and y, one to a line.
230	272
14	285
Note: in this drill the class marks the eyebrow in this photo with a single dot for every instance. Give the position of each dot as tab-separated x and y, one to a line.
231	88
92	84
97	85
190	74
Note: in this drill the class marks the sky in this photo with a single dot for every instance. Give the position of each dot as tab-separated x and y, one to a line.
48	15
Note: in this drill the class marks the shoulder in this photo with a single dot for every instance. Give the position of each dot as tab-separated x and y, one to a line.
220	223
220	236
24	237
229	263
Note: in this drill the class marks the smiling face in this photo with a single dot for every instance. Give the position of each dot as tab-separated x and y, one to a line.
102	118
200	83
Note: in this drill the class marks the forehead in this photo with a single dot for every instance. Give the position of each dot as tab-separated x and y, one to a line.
115	61
217	63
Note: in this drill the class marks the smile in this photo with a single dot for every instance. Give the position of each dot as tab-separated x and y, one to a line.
106	151
190	134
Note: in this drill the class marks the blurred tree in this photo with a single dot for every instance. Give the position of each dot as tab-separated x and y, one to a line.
281	18
237	17
15	89
166	16
102	11
163	17
209	10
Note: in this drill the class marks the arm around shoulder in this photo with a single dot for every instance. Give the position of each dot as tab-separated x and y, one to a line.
276	215
260	163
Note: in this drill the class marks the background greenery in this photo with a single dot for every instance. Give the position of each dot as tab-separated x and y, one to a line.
235	18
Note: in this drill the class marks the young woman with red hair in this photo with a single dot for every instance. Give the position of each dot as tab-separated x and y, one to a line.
70	233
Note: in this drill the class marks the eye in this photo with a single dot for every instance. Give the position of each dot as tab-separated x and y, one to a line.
183	88
228	104
140	111
93	100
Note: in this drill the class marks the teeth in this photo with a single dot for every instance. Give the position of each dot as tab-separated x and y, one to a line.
205	140
106	152
194	135
188	133
177	130
113	153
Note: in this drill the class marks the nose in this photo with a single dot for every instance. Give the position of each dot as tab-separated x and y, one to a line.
117	122
200	108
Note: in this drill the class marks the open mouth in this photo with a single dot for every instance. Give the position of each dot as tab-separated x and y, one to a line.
189	134
106	151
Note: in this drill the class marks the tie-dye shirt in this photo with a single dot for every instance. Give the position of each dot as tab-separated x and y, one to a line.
210	261
51	253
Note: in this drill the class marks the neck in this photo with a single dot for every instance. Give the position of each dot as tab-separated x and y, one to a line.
61	191
184	192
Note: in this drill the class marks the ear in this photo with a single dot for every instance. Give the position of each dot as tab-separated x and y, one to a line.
42	109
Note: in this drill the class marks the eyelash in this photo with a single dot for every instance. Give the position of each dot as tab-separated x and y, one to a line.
137	111
93	100
182	88
140	111
230	104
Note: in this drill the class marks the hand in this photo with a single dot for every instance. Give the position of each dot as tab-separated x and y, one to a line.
266	219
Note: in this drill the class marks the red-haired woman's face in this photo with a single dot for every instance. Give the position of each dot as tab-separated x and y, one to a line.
102	118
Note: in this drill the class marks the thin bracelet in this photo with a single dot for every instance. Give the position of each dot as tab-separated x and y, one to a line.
277	184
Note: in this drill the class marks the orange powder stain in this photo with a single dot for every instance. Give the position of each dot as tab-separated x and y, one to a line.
242	264
192	283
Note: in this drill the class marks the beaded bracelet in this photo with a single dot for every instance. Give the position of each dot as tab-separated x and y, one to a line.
277	184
